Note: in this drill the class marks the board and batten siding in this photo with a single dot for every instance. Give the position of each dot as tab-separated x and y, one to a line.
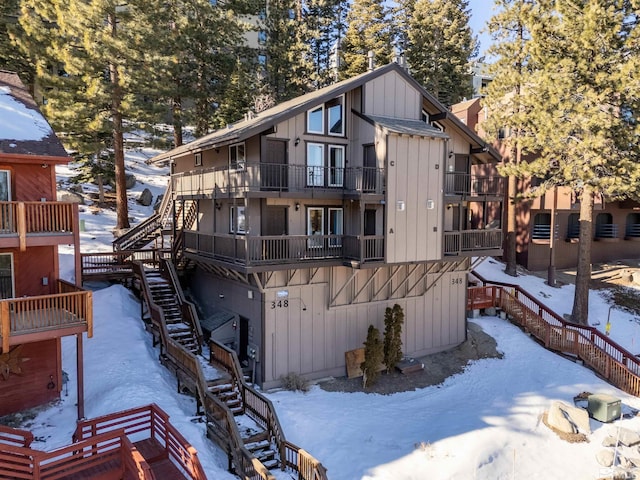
391	95
414	198
303	335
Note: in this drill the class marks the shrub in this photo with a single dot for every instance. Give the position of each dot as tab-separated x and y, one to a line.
393	320
373	356
294	382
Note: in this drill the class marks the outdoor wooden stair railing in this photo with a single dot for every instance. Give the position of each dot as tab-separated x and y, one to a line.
219	418
617	365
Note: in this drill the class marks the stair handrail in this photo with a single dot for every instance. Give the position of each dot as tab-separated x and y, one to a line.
133	460
228	359
243	458
124	241
622	358
166	206
187	308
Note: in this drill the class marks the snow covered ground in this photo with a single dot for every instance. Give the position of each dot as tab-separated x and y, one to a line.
481	424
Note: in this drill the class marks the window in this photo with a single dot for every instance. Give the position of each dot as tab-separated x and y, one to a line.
237	220
605	228
315	122
5	185
315	165
236	156
336	165
573	227
541	226
633	225
424	116
335	227
262	59
335	114
262	37
315	226
198	159
6	276
327	118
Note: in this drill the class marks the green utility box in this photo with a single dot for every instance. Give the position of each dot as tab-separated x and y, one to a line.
604	408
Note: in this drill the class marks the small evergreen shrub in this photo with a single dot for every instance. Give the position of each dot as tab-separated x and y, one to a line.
294	382
373	356
393	320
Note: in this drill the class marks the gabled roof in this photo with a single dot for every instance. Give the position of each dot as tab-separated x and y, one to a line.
407	127
23	129
267	119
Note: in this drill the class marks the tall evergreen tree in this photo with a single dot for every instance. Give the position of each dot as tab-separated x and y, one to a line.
583	101
326	24
440	46
11	57
368	29
373	357
504	99
393	320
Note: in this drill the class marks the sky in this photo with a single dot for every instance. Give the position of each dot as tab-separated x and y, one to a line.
482	424
481	12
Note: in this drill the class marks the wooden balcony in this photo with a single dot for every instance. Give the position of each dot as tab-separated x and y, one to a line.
468	243
282	250
27	224
267	179
32	319
462	184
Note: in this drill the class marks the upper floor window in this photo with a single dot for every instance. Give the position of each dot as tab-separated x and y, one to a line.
262	59
262	37
5	185
325	166
424	116
237	220
327	118
237	157
198	159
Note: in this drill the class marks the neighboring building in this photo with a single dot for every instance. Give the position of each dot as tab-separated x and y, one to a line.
36	308
300	226
480	78
616	223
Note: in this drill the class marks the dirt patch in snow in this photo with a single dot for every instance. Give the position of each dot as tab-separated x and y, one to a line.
437	367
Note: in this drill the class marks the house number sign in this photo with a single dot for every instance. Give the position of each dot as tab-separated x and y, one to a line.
280	304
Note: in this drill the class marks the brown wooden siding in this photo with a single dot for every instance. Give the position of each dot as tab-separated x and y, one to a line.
392	96
30	182
40	362
31	266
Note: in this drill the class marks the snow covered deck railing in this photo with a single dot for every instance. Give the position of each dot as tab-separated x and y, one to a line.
471	242
617	365
114	265
14	436
30	319
24	224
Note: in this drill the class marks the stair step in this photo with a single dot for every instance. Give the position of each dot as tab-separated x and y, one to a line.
253	446
236	411
271	464
220	387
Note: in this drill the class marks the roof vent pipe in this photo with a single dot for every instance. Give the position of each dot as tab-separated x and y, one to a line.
371	59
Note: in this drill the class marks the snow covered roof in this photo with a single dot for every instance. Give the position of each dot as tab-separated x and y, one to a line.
23	128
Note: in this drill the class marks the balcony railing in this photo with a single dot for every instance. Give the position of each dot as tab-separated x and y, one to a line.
466	184
25	219
272	177
468	242
46	316
271	250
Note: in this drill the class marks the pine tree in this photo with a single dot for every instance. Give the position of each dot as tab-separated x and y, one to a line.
325	21
504	99
11	57
368	29
582	101
393	320
440	46
373	356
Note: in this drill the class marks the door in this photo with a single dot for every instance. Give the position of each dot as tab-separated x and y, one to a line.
370	169
273	169
243	342
315	227
6	276
274	223
369	222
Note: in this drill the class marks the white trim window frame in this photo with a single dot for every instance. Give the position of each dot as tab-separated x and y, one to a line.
335	163
5	185
315	226
11	285
317	112
237	220
336	226
237	156
335	105
198	159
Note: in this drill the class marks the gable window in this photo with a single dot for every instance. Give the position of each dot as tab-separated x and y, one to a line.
335	114
315	123
424	116
237	220
327	118
237	156
198	160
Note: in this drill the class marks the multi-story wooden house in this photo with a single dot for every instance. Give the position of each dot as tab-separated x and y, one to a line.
36	308
616	223
300	225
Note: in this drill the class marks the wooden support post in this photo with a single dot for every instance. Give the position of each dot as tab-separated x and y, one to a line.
75	228
80	375
6	326
22	226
